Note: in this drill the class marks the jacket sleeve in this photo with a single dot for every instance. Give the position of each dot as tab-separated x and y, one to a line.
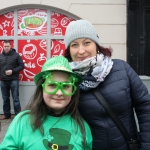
20	64
141	103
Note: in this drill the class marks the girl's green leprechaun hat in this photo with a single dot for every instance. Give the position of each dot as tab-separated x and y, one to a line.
57	63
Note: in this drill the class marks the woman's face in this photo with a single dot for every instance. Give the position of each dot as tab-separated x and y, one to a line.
58	101
81	49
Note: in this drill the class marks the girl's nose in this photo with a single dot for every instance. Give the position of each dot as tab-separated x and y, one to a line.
59	92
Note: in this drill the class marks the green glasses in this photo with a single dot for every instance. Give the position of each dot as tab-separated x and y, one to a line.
51	87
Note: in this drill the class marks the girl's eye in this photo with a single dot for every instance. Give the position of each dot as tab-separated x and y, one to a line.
52	85
66	86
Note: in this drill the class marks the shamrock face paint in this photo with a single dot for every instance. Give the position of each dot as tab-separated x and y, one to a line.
68	88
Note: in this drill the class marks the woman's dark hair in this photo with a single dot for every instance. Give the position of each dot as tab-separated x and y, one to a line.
38	110
99	49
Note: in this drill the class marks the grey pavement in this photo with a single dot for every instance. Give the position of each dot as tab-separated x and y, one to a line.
4	126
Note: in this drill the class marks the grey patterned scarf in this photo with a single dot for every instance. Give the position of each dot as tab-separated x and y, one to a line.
93	70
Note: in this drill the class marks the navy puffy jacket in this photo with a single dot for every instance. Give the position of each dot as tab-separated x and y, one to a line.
123	90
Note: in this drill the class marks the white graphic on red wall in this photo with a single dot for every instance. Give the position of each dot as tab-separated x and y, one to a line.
41	60
43	44
29	65
22	12
29	51
9	15
4	32
58	31
54	23
28	74
58	48
32	22
6	24
34	56
59	22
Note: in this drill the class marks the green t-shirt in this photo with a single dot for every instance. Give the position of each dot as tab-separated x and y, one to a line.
58	135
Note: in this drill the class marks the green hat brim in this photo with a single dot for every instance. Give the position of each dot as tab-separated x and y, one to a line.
44	73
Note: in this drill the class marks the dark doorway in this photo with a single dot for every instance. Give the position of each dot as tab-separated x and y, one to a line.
138	35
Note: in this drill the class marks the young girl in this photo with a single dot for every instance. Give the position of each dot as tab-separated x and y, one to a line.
51	121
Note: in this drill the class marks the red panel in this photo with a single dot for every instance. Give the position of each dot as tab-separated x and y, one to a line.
57	48
7	24
59	22
33	53
32	22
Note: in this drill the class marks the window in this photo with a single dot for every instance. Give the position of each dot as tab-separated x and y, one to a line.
36	34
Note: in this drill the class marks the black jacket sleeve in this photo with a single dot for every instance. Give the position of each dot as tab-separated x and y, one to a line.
20	64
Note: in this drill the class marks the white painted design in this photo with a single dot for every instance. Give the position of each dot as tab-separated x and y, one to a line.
29	51
52	45
54	23
61	52
60	41
22	12
65	21
30	65
9	15
43	44
6	23
43	31
41	60
12	24
28	41
57	14
58	31
12	32
57	48
28	74
20	32
4	32
1	27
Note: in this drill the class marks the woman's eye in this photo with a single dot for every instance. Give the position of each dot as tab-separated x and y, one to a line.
86	43
74	45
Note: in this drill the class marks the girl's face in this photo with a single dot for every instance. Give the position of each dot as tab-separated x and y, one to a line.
58	101
81	49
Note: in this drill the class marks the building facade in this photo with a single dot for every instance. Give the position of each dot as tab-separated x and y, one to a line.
36	30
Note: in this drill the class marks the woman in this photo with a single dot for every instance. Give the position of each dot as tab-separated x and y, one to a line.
51	121
118	84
